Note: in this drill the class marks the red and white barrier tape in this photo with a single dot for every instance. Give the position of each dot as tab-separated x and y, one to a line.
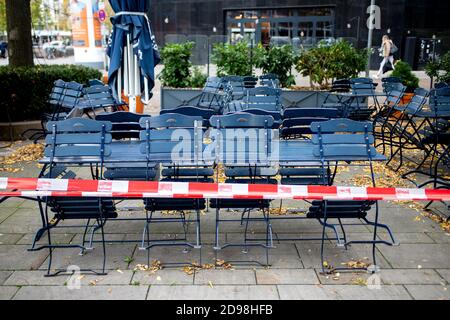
32	187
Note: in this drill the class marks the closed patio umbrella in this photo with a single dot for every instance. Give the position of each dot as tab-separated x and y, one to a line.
132	51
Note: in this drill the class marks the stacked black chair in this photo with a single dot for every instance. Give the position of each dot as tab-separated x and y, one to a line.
296	121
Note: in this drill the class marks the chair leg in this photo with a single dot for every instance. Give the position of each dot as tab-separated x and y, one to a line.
217	245
322	244
84	237
104	246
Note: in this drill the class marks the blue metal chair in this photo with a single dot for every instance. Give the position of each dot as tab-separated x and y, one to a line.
388	112
269	80
296	121
159	138
99	97
67	141
403	131
212	95
125	125
237	136
338	86
206	114
62	100
342	139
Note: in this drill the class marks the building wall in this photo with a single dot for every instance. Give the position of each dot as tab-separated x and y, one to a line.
404	18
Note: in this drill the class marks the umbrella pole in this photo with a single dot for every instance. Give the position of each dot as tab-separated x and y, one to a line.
119	84
131	76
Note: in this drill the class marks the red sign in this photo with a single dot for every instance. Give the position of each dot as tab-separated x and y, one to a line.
102	15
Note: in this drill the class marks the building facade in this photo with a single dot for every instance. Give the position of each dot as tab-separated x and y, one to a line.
305	21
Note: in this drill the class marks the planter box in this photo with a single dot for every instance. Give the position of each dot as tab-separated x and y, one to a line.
173	98
16	128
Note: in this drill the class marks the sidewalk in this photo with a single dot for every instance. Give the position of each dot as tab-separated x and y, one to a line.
417	269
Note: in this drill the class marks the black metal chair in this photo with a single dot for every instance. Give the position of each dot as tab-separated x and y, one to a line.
244	151
69	139
296	121
344	139
159	138
125	125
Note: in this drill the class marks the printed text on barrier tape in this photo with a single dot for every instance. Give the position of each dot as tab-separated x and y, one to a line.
33	187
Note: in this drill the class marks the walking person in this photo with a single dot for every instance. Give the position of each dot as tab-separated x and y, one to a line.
388	48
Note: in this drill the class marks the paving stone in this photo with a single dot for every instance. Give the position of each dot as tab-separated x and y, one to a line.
93	259
34	278
415	255
11	202
10	238
199	292
163	277
283	256
335	256
407	237
345	292
228	277
5	212
410	276
57	238
440	237
4	275
169	255
286	276
404	220
83	293
6	293
343	278
16	257
445	273
429	292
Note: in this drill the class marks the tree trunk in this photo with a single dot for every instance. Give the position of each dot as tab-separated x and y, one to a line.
18	19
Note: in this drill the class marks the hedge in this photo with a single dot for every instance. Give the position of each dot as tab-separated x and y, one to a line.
24	91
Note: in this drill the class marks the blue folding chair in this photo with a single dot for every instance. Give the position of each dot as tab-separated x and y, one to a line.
125	125
99	97
67	142
160	136
297	121
62	101
206	114
344	139
212	95
244	151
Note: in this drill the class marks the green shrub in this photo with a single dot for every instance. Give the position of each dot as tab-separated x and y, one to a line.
279	61
234	59
197	79
404	72
325	62
439	70
24	91
177	64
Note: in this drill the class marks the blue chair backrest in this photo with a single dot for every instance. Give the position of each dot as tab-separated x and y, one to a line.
242	137
276	115
361	80
99	96
341	85
343	139
78	137
241	120
125	125
395	93
206	114
161	134
417	101
65	95
441	85
297	121
440	100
